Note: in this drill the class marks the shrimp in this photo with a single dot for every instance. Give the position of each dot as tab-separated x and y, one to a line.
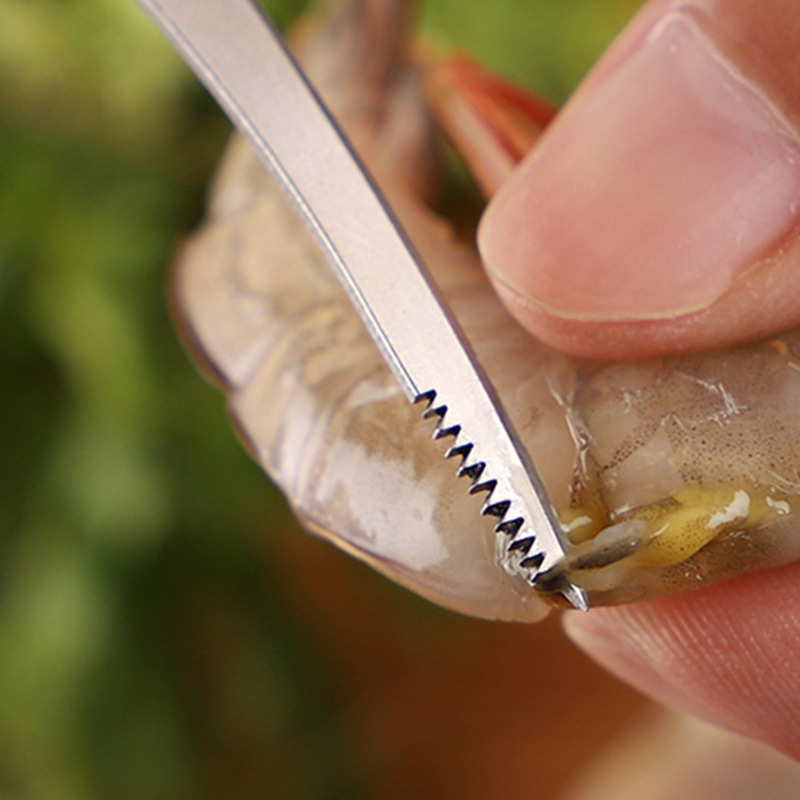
666	474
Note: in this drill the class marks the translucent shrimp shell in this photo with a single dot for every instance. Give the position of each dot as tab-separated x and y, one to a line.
667	474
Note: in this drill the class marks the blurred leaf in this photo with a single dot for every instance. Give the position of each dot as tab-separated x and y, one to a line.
545	44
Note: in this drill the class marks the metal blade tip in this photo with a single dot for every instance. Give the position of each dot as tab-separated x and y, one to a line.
576	596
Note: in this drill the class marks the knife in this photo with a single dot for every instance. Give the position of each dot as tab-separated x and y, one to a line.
237	53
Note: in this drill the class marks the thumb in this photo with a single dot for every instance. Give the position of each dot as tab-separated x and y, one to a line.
659	212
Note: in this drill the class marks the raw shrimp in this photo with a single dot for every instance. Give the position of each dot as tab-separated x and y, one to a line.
666	474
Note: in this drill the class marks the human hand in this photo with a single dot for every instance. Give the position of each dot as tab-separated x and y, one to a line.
659	215
659	212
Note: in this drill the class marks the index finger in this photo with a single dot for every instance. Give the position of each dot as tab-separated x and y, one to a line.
728	653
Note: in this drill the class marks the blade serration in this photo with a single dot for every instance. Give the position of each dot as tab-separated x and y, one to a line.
518	550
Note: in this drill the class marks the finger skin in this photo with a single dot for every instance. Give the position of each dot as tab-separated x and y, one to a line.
762	43
728	653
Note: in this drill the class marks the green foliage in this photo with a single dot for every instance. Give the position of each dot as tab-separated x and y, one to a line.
548	45
132	522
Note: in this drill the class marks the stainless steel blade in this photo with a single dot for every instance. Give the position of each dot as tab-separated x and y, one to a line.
240	58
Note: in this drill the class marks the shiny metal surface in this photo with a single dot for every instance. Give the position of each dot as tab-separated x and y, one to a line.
240	58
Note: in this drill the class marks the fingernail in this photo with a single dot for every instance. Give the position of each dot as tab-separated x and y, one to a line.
653	191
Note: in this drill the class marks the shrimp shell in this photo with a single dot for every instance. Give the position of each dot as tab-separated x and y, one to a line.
667	473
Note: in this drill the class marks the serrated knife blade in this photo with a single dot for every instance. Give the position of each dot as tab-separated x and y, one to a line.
237	53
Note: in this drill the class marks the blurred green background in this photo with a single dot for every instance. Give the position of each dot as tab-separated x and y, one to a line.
165	630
